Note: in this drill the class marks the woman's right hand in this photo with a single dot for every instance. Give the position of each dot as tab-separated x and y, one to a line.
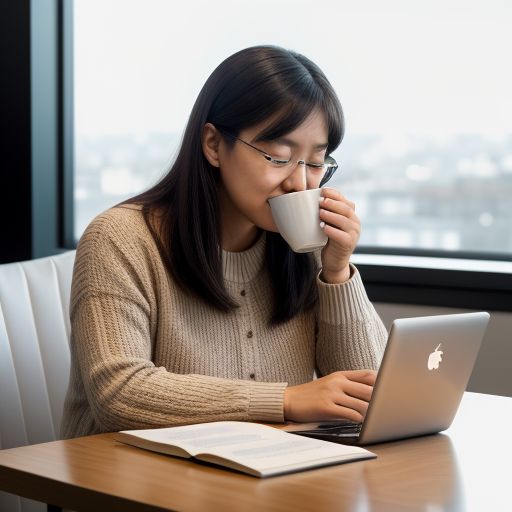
340	395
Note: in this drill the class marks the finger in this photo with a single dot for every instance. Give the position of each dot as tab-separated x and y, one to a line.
344	239
359	390
363	376
338	203
341	412
347	401
342	222
341	210
343	207
332	194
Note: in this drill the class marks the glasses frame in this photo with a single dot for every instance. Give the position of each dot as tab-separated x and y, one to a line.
330	165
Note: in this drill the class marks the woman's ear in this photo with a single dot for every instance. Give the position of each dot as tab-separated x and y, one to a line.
210	143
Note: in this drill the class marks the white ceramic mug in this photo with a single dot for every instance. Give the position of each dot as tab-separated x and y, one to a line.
297	217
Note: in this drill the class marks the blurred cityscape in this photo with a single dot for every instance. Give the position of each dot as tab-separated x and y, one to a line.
416	192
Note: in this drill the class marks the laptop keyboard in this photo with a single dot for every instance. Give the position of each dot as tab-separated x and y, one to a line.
340	429
331	430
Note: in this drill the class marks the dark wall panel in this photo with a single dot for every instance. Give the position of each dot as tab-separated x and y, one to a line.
15	141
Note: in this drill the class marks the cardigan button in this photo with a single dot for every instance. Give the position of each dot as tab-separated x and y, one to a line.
252	376
242	293
249	334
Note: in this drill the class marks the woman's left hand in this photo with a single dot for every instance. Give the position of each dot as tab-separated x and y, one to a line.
342	227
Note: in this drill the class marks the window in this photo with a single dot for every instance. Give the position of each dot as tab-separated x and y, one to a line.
425	87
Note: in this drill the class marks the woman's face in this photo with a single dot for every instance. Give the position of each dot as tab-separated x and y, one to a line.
248	180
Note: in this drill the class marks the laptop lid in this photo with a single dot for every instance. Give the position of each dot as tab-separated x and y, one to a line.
424	372
423	375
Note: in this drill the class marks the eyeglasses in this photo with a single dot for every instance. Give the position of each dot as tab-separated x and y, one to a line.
326	169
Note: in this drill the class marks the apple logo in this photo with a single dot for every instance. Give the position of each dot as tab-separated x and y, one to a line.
435	358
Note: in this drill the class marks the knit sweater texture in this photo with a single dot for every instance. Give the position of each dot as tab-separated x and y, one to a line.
145	354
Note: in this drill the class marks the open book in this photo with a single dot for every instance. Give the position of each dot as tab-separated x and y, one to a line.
252	448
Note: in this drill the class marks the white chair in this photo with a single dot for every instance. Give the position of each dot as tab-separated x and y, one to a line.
34	355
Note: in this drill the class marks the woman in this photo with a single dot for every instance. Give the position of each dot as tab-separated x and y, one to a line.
188	306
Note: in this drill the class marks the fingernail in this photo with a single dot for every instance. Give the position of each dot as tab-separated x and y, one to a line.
322	224
321	198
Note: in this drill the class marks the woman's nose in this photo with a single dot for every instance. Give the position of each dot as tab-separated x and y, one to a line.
297	179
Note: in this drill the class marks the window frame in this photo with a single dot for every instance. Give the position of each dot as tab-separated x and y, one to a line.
51	84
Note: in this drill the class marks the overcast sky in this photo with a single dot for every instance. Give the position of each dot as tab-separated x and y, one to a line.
432	67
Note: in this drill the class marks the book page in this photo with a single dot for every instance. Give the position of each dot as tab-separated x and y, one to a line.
271	449
262	448
195	438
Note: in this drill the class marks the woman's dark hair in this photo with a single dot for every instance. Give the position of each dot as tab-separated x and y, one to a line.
253	85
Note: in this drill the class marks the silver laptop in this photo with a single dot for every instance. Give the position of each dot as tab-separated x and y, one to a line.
424	372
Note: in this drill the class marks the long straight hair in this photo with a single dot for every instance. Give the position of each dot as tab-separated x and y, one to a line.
253	85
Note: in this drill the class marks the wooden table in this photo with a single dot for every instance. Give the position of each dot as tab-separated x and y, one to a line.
467	468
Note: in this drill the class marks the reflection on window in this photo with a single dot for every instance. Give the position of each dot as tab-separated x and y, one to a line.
427	155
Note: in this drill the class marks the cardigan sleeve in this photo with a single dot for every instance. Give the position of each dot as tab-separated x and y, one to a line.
351	335
111	344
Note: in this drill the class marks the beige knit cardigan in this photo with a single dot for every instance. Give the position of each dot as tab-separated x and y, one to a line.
145	354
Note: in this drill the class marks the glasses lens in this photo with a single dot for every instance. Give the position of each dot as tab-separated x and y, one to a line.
330	163
330	166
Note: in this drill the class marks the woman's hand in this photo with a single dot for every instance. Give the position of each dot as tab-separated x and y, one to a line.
342	227
336	396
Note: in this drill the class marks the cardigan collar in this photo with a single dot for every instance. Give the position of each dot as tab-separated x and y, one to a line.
241	267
